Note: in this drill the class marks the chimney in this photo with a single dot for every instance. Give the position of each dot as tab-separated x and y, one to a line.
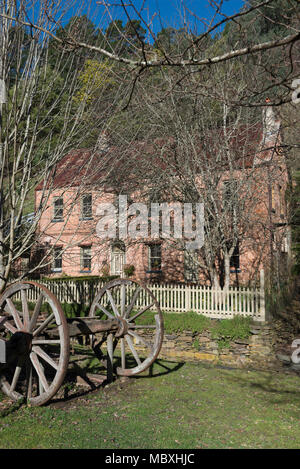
270	124
103	141
269	140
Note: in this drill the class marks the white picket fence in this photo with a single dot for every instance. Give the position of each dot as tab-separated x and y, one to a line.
213	303
210	302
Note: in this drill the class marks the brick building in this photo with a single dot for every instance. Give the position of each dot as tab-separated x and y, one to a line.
68	225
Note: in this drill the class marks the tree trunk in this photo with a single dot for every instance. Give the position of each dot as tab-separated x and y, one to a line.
227	271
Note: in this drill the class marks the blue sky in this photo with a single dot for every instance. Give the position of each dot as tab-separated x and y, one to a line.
172	13
165	12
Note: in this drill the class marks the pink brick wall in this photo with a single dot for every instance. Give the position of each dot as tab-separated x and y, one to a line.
255	248
72	233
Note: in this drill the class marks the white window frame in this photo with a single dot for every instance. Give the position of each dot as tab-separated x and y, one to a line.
55	208
82	268
83	205
150	257
55	258
122	252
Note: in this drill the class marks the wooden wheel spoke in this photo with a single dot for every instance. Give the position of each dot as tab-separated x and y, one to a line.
36	312
104	310
115	309
14	314
146	308
6	309
110	356
3	320
132	302
10	327
45	341
16	376
123	353
140	338
44	324
41	353
134	352
39	369
25	309
28	379
123	300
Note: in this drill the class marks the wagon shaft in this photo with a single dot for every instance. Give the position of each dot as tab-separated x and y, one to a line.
87	326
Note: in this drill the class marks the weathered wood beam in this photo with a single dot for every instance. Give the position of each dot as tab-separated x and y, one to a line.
86	326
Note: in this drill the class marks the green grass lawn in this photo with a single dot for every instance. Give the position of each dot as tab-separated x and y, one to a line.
182	405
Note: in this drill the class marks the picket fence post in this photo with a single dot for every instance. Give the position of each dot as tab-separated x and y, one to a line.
187	298
262	296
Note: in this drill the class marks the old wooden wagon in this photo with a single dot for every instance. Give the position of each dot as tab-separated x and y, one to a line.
35	336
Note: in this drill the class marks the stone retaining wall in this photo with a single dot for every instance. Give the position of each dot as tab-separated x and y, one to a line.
263	349
257	351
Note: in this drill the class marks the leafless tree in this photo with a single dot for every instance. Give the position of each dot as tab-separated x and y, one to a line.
196	52
199	148
42	116
186	72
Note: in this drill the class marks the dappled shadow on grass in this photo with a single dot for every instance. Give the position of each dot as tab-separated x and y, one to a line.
95	361
162	364
268	383
68	395
83	362
166	366
159	368
70	391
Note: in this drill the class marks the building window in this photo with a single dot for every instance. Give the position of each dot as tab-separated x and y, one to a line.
281	201
58	209
86	207
230	196
191	266
57	260
273	200
85	259
117	259
155	257
235	258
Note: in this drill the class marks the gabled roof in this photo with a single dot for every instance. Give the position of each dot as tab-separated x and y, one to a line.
117	167
78	167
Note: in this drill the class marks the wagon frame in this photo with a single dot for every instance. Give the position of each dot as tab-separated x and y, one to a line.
35	340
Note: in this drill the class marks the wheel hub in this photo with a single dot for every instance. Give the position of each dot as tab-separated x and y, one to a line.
123	327
21	342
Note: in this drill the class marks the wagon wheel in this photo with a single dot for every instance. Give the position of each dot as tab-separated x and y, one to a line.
139	326
37	334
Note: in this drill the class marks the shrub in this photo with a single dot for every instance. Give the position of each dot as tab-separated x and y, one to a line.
179	322
227	330
75	310
129	270
83	278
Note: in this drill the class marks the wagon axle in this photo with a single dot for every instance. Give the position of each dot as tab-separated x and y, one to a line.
35	340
